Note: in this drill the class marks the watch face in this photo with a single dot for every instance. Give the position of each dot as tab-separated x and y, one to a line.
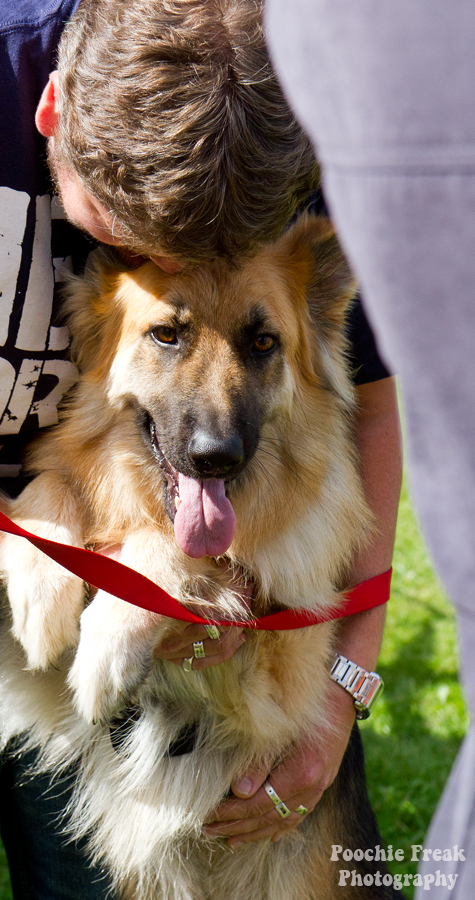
373	689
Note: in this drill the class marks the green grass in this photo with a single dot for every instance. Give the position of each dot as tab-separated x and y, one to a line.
413	735
5	889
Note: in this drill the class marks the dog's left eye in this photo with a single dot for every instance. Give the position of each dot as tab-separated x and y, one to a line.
265	343
164	334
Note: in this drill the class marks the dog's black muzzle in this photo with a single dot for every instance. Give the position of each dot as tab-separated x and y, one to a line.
213	457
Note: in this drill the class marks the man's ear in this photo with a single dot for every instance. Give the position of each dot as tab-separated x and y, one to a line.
47	112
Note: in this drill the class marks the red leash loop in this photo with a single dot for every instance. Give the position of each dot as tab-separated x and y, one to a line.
118	579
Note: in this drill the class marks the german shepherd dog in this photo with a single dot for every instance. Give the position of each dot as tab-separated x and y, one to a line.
211	421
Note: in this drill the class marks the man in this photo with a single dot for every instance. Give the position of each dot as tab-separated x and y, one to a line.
169	138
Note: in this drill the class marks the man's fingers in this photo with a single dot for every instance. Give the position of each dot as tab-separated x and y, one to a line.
217	653
256	807
299	781
303	776
270	821
251	800
260	807
270	825
183	637
177	647
248	784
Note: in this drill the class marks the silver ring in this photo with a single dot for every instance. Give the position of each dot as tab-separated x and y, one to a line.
187	664
212	632
279	804
301	810
198	650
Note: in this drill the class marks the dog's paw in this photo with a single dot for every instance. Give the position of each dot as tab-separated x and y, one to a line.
45	600
114	656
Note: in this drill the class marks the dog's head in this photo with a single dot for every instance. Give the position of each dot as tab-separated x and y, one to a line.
224	368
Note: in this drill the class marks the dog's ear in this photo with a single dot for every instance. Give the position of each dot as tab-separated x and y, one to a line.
315	260
319	276
93	312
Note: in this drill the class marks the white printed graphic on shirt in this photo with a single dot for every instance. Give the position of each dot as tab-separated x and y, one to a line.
59	337
38	305
20	402
35	334
13	209
7	380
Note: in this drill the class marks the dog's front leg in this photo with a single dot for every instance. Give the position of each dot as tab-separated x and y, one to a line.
114	655
46	600
117	640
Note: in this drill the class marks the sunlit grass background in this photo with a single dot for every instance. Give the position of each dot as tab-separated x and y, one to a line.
413	735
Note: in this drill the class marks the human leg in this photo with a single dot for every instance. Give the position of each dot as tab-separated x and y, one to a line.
43	864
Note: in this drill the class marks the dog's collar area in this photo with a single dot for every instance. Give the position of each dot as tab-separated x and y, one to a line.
114	577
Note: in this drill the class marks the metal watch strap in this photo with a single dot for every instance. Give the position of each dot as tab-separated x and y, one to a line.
365	687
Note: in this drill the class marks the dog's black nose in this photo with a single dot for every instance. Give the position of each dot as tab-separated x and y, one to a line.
216	457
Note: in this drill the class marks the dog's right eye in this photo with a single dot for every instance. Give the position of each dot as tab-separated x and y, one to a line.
164	334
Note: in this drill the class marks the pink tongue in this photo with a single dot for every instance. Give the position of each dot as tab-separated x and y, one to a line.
205	520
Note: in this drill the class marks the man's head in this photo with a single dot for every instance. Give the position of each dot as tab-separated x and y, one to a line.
168	123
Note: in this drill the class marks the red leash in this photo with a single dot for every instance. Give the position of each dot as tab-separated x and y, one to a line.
127	584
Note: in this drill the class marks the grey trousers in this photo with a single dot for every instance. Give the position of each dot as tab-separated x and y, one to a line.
386	90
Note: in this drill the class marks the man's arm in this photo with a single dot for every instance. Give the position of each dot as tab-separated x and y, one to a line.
304	775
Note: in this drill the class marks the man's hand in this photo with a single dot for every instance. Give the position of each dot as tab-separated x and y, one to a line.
302	777
217	650
179	646
299	780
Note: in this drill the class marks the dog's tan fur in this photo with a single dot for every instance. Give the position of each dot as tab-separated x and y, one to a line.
300	515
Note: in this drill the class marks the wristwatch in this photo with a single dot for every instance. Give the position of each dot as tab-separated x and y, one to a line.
365	687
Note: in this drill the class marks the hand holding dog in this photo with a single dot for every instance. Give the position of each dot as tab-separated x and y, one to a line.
311	767
217	651
299	780
179	646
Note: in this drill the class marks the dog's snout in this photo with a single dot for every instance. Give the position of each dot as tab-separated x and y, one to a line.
216	457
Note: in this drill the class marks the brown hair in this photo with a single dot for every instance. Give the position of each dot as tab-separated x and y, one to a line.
172	117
